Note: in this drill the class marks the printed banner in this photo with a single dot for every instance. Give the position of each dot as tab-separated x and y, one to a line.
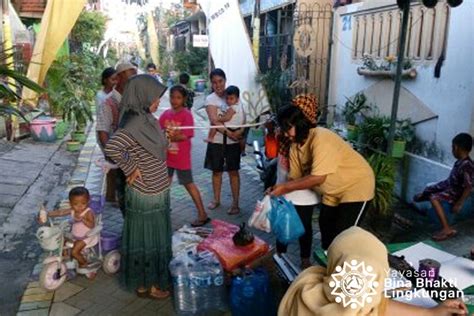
231	50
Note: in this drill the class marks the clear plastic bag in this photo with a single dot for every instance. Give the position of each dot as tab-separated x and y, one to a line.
259	218
284	220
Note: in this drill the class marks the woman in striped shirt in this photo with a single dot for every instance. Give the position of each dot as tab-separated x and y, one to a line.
139	148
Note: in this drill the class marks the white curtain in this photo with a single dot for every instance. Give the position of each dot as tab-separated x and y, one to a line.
231	51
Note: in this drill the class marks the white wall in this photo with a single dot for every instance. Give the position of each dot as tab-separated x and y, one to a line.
451	96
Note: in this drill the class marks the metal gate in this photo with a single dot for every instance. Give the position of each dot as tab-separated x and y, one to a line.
312	44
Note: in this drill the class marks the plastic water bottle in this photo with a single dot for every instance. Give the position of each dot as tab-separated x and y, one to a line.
218	289
182	294
198	284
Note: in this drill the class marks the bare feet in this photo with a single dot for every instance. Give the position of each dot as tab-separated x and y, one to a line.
444	234
213	205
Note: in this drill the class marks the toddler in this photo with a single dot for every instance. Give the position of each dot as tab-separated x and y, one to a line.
83	221
232	94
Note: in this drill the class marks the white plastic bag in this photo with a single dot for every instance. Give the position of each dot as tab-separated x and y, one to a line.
184	243
105	165
259	218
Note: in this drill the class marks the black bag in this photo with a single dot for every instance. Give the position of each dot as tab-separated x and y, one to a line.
243	237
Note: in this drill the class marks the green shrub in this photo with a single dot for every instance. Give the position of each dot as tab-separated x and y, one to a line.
384	171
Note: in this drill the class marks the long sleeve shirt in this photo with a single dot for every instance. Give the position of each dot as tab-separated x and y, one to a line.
128	154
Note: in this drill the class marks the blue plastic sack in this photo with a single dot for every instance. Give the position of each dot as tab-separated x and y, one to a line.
250	294
284	220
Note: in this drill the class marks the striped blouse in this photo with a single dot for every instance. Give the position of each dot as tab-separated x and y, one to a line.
124	150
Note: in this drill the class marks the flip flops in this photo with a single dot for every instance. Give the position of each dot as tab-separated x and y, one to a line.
213	205
158	294
234	210
153	294
199	223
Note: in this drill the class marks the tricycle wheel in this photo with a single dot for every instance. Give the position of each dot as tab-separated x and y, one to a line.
111	263
52	276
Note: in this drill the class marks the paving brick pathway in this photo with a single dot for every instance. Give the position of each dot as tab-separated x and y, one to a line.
104	296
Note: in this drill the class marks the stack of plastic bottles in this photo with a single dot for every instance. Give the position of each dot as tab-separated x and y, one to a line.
198	281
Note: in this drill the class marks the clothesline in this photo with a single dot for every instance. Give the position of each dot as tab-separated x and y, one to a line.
217	126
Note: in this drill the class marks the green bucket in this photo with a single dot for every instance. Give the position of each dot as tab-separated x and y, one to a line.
398	149
352	133
73	146
79	137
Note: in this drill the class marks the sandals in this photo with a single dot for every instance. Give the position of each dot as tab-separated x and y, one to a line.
199	223
143	293
158	294
234	210
444	236
213	205
153	293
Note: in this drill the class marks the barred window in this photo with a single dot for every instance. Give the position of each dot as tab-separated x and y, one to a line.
376	32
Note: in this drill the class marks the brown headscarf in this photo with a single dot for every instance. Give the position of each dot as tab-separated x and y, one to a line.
310	293
308	104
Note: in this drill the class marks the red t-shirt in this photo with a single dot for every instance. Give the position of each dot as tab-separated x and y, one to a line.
180	156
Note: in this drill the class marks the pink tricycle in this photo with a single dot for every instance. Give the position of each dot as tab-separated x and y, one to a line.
58	242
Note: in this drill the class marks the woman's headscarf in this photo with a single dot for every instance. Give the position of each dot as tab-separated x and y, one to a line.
135	117
310	293
308	104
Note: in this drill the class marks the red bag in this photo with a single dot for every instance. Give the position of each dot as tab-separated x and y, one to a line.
231	256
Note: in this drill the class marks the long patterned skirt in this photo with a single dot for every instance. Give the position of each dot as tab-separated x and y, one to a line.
146	240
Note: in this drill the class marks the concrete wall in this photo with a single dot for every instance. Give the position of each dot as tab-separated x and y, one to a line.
450	97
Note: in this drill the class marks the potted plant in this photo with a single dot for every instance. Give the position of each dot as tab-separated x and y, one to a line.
380	209
404	134
352	109
385	68
76	110
371	132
